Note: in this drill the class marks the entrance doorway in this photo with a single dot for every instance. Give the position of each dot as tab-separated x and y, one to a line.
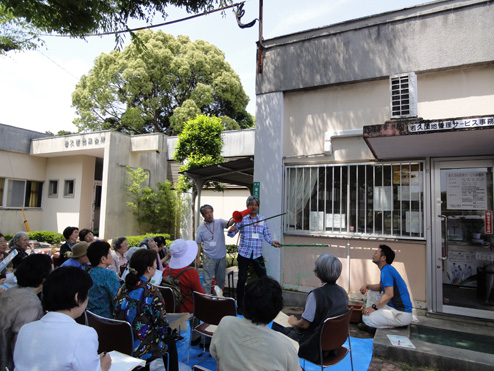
462	237
95	212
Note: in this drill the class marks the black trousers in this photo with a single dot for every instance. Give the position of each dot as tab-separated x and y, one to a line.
243	268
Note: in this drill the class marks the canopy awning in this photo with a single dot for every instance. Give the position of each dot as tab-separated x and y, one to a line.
405	139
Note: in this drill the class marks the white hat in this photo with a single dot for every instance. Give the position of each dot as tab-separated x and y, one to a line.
183	253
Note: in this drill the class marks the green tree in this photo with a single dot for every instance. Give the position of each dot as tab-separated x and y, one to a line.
157	84
199	145
29	18
159	210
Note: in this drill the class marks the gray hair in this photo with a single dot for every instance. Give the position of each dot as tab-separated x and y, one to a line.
251	200
328	268
204	208
146	241
16	238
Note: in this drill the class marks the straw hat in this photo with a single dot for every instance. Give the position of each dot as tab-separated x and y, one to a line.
78	250
183	253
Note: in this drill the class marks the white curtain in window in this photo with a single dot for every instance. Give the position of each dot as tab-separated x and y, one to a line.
301	184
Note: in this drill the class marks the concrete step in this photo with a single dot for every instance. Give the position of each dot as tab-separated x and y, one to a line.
435	355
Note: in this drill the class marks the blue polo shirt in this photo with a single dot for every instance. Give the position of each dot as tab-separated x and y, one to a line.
401	298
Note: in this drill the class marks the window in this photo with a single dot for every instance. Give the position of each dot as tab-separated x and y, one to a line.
403	95
20	193
53	188
68	189
366	199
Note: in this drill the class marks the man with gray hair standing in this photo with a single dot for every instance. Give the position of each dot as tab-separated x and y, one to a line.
211	236
253	230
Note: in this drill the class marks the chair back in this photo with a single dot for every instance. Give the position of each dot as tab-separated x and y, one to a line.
167	294
211	309
335	331
82	319
112	334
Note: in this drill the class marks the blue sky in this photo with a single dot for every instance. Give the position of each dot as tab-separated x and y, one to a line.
36	86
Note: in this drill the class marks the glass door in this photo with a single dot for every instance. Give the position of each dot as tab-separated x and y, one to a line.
462	238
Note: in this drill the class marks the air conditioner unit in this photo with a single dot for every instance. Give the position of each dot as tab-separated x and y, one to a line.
403	95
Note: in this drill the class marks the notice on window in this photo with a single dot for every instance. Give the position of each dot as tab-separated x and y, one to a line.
383	198
466	191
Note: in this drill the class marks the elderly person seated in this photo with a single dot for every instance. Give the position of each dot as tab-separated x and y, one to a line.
105	282
119	261
150	244
326	301
87	235
71	234
57	341
247	343
78	256
183	255
141	304
21	304
19	242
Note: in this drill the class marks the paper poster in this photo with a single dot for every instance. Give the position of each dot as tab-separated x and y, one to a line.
466	190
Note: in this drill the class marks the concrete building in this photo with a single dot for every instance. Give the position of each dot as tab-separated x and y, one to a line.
381	130
79	180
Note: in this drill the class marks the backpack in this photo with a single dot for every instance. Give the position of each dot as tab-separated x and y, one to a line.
174	283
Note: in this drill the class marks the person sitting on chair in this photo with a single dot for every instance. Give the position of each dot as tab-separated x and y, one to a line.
247	343
57	341
20	304
78	256
105	281
328	300
141	304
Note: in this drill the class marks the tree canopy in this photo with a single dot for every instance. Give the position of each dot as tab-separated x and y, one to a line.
21	21
157	83
199	145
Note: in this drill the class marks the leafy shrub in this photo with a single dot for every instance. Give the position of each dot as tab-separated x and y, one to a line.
50	237
134	240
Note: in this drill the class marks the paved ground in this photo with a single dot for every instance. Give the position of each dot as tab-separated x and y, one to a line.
377	364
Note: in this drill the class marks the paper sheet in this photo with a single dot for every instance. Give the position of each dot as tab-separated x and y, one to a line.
282	320
400	341
123	362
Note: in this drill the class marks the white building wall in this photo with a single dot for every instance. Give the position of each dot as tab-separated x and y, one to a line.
268	171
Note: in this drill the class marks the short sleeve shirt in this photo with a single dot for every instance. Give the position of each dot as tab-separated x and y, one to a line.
401	298
212	237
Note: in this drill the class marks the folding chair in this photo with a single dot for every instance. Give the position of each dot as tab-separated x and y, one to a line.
113	334
209	310
167	294
82	319
334	332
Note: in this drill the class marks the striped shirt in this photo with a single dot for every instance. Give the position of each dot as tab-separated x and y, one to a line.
251	236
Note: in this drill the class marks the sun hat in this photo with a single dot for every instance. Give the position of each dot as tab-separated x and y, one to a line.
183	253
78	250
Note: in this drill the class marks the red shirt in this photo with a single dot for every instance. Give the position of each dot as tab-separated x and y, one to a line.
189	281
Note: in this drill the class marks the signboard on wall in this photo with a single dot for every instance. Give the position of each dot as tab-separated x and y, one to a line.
466	190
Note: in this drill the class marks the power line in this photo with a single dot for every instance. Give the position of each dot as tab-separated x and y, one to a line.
155	25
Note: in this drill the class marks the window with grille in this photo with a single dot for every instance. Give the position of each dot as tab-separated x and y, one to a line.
358	199
403	95
20	193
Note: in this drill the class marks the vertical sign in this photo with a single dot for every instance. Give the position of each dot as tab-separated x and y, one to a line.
488	222
257	189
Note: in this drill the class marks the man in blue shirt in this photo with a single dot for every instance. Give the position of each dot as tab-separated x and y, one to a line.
78	256
253	230
388	302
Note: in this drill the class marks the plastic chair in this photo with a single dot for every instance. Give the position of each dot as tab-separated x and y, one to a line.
334	333
209	310
113	334
167	294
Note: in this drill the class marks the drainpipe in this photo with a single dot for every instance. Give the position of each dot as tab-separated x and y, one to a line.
329	135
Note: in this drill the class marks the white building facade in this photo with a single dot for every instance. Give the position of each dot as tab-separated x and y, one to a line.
381	130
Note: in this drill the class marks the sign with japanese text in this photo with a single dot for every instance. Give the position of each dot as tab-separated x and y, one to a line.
488	222
451	124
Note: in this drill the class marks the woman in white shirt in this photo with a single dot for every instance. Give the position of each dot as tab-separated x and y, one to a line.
57	341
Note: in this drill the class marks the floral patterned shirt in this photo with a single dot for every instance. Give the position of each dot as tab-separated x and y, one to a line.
144	308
